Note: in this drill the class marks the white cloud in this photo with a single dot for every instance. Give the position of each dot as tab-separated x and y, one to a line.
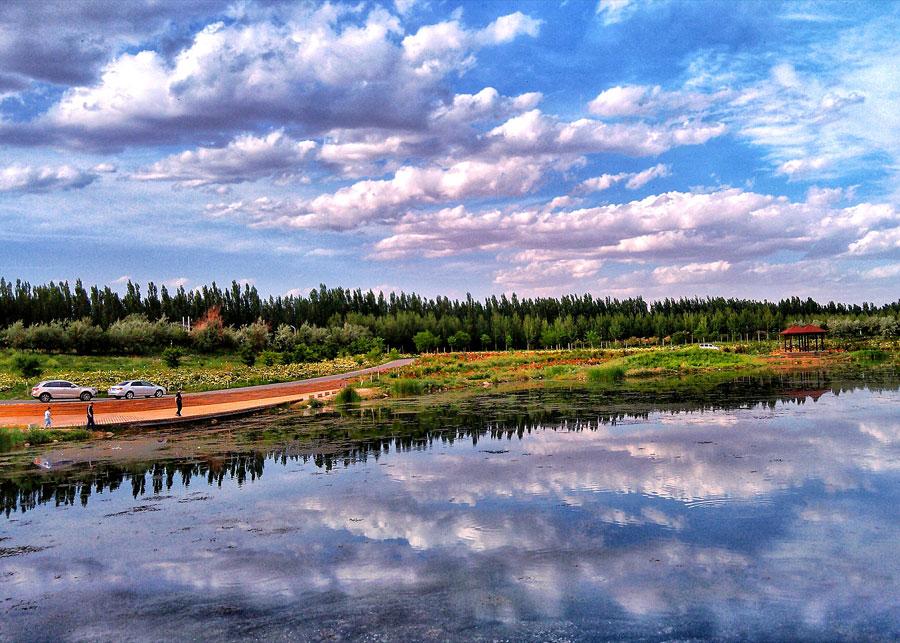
803	167
641	179
507	28
246	158
403	7
831	116
635	180
32	179
487	104
176	282
691	272
323	252
435	50
537	270
535	133
316	70
876	241
888	271
698	238
615	11
379	200
602	182
643	100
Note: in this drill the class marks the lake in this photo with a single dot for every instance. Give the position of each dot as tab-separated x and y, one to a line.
760	509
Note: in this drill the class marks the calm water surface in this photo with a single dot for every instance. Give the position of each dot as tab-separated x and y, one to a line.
757	510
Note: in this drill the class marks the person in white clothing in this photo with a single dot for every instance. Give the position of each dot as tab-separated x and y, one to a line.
48	421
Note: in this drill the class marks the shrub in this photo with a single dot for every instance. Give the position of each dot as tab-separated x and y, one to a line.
554	371
347	395
270	358
247	353
425	341
84	337
285	338
15	336
132	335
11	438
871	355
209	333
459	340
600	374
27	366
48	337
256	335
405	387
172	357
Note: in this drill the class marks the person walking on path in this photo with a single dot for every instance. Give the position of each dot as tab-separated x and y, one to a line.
90	415
178	403
48	419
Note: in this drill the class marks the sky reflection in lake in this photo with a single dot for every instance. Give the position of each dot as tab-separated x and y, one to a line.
777	521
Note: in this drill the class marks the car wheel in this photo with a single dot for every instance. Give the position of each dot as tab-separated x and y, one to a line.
44	397
158	393
129	395
85	397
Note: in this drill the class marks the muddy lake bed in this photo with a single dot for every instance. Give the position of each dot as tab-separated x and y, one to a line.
751	509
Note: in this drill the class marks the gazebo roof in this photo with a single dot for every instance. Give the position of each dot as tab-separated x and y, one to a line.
804	330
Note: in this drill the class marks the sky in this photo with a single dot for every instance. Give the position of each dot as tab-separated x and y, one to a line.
612	147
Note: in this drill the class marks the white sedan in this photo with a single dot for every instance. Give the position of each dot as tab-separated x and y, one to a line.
135	388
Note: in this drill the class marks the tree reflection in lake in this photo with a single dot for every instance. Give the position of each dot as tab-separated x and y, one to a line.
738	511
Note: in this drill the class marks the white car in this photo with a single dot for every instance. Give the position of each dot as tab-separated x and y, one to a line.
62	390
135	388
711	347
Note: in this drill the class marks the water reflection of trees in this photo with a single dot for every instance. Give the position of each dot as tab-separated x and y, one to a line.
341	440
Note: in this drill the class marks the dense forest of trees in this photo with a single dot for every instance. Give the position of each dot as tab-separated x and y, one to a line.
59	316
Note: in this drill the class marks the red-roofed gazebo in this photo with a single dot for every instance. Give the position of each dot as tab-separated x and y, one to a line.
801	338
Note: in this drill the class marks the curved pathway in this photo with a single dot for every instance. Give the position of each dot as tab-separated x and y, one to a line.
208	404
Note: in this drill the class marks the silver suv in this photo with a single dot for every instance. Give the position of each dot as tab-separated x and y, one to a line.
62	390
135	388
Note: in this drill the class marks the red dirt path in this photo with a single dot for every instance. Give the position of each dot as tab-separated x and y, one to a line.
196	405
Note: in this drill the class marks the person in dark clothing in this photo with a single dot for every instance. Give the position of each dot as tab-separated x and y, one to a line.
90	415
178	403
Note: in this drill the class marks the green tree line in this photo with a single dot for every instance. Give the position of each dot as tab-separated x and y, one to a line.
329	321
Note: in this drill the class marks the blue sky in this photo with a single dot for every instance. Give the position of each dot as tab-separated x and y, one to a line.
618	147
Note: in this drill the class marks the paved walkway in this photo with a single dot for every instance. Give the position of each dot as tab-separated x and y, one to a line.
196	405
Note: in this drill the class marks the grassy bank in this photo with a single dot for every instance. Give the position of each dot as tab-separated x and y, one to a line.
451	371
12	437
196	372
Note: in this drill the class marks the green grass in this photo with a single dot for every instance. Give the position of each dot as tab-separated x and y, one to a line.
347	395
407	387
557	370
870	356
11	438
685	359
604	374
